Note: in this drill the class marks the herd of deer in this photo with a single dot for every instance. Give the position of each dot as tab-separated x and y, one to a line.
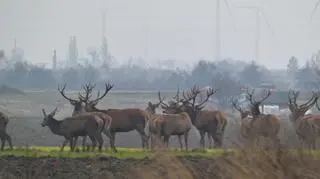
177	118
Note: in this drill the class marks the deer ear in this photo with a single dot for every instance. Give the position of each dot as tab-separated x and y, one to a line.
54	112
149	104
44	112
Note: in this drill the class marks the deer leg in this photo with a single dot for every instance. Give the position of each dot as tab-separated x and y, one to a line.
166	141
94	142
186	136
8	138
144	138
209	140
3	140
99	138
202	133
71	142
180	142
112	141
64	143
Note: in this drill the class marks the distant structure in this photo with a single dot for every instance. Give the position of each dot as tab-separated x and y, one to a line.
17	54
54	60
73	52
104	45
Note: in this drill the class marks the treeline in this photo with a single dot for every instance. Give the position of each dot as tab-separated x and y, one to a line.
227	74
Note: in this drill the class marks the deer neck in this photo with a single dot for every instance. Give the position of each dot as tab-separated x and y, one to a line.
55	126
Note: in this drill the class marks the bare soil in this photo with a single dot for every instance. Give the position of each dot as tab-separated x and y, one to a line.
107	167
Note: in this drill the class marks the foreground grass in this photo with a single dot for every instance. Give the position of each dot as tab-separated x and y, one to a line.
36	151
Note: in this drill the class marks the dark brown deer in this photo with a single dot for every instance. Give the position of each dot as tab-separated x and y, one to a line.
80	125
79	109
123	120
212	122
266	125
167	125
4	136
306	126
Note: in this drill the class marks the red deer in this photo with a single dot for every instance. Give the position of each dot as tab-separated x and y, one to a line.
70	127
4	136
123	120
266	125
79	109
306	126
212	122
168	124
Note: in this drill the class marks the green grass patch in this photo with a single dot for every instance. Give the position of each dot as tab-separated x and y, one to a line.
138	153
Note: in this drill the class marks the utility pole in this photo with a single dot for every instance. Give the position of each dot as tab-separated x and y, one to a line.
218	40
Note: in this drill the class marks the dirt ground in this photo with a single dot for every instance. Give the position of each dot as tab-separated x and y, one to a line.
108	167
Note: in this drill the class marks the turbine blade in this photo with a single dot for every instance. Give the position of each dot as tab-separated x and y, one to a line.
314	9
231	14
267	22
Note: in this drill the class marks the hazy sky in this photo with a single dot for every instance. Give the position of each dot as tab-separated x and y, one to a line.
172	29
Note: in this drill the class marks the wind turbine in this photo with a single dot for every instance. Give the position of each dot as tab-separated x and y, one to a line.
314	9
259	12
218	34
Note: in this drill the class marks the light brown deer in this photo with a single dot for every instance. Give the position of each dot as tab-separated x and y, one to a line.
4	136
79	109
266	125
167	125
212	122
123	120
80	125
306	126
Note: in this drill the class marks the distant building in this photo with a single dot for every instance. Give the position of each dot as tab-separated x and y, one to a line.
73	52
54	60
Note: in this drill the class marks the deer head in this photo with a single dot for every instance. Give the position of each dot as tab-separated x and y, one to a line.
255	104
299	110
76	103
48	117
243	113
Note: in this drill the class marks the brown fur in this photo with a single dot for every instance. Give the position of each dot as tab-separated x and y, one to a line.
252	127
4	136
172	124
306	126
125	120
80	125
212	122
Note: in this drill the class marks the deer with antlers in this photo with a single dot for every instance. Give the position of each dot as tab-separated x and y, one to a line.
212	122
306	126
79	109
4	136
123	120
258	124
167	125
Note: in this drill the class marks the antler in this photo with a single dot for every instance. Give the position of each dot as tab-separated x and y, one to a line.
177	96
194	91
161	101
236	106
210	92
108	87
253	101
293	95
88	88
63	94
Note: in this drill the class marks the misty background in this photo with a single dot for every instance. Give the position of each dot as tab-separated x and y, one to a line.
158	45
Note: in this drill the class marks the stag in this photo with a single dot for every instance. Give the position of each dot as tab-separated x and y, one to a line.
168	124
265	125
123	120
4	136
79	108
306	126
80	125
212	122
